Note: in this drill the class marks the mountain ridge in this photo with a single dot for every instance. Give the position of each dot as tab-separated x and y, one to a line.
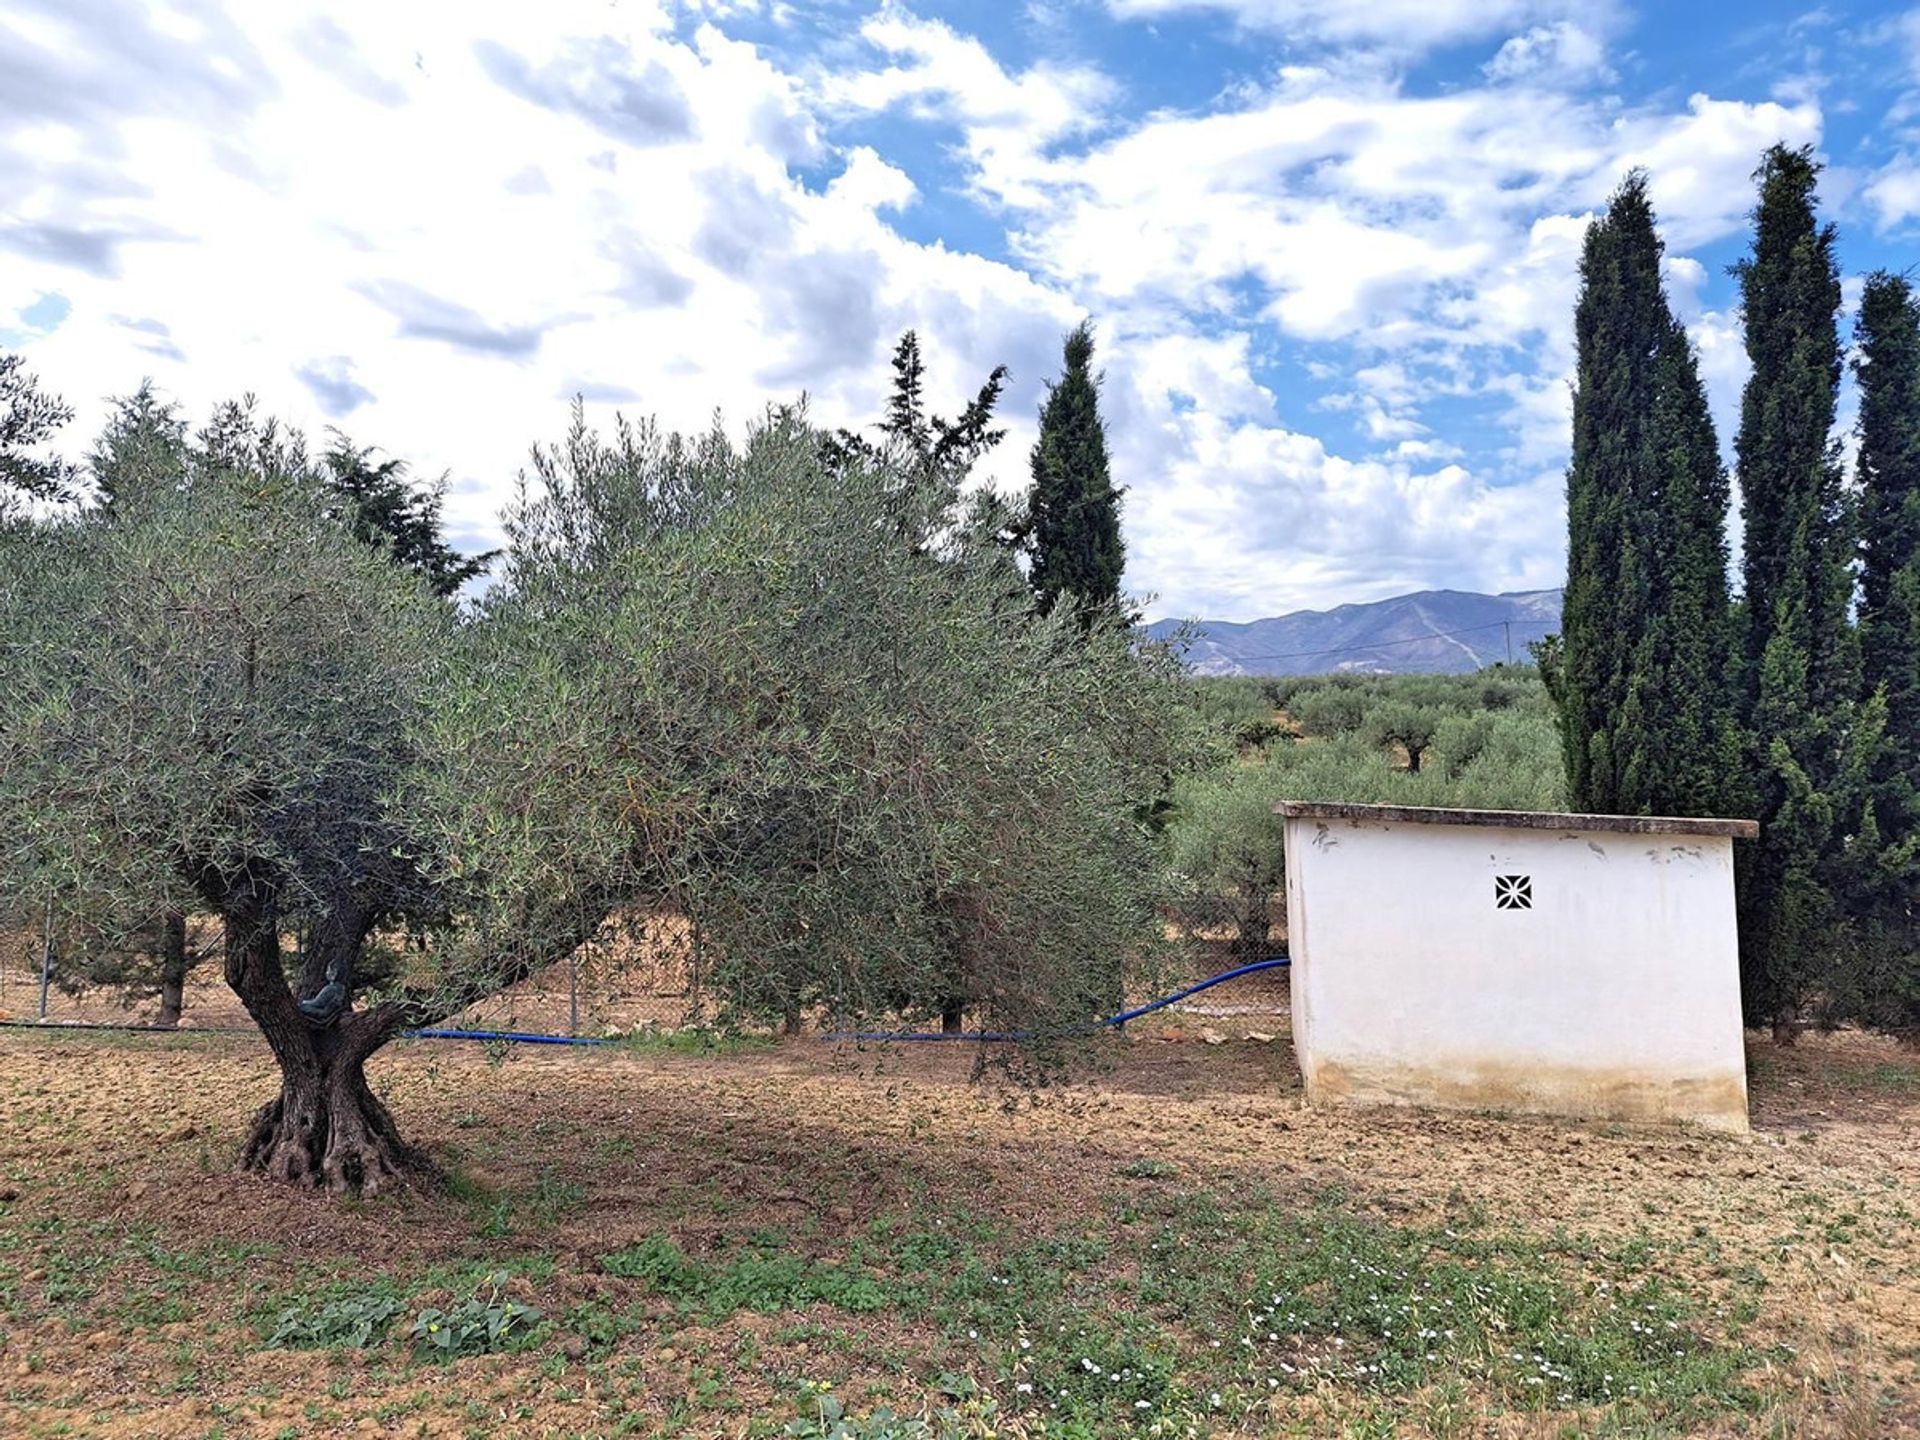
1424	632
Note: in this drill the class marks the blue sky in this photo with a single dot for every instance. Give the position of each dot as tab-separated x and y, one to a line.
1328	248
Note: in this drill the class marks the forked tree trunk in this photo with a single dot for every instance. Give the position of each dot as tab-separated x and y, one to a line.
173	966
326	1128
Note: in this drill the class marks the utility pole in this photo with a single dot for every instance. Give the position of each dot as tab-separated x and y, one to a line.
1507	625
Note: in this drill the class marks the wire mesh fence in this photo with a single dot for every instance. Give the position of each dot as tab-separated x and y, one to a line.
650	977
1211	934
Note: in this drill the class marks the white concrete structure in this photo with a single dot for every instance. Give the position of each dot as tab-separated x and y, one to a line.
1486	959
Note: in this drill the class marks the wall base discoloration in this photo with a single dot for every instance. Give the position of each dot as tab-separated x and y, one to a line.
1717	1101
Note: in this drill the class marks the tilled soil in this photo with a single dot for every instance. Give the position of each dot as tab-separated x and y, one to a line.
133	1135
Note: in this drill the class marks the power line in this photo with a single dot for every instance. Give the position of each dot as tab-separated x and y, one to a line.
1377	645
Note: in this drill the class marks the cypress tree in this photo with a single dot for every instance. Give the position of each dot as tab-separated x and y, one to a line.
1800	657
1886	834
1692	741
1638	677
1887	366
1074	522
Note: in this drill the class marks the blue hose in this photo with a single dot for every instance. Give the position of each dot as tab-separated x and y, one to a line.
1005	1036
512	1035
984	1036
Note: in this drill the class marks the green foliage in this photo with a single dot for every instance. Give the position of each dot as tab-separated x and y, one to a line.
143	449
355	1322
1313	1294
1235	711
760	1277
826	1418
648	1039
1074	509
865	770
1223	839
259	612
1887	367
29	417
1328	709
1399	723
216	682
386	510
1489	742
1800	652
1639	670
478	1325
926	457
1883	859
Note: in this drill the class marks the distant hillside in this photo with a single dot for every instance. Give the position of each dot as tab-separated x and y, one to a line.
1432	631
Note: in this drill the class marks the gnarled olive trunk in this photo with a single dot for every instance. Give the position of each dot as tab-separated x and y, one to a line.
326	1128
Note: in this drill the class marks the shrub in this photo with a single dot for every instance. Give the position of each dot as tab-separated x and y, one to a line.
356	1322
476	1326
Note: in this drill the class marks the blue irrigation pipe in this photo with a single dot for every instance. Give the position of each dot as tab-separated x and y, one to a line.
515	1036
1005	1036
523	1038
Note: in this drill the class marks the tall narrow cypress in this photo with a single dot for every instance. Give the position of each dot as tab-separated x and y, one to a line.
1800	656
1693	738
1885	839
1075	518
1640	682
1887	366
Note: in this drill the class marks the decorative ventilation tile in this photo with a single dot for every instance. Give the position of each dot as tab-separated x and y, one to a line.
1513	892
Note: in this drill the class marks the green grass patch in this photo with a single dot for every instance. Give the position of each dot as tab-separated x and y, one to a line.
702	1042
1302	1296
759	1277
1183	1304
1899	1079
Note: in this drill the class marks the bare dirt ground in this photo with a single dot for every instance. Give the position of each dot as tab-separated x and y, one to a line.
140	1281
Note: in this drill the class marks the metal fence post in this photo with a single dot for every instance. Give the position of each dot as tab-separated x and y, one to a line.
46	959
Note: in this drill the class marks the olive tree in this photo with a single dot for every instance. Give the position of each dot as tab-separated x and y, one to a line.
213	694
1224	843
144	945
715	684
1402	724
29	418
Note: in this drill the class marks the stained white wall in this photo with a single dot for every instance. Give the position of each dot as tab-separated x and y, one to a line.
1617	994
